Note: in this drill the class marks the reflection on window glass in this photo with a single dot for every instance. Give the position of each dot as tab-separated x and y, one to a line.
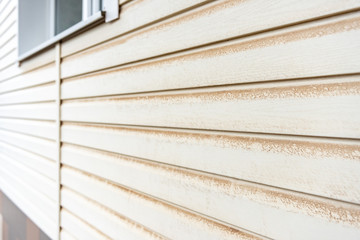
68	13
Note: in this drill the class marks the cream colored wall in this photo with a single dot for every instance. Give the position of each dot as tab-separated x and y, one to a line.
28	170
191	120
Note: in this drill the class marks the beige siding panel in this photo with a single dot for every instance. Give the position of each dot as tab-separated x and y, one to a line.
105	220
78	228
42	75
297	49
9	72
27	175
3	3
8	59
8	33
36	145
8	8
41	111
8	47
36	207
173	73
10	21
37	163
171	221
283	214
321	109
37	94
65	235
44	129
42	184
21	73
214	158
133	15
157	76
42	58
320	167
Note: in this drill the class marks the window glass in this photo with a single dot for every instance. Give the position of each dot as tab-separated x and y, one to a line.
42	23
68	13
34	23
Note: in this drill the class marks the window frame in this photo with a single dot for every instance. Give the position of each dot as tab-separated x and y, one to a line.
90	16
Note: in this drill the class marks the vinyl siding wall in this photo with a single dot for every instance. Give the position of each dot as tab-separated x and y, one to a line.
189	120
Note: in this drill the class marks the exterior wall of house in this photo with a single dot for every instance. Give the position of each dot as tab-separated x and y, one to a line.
189	119
28	170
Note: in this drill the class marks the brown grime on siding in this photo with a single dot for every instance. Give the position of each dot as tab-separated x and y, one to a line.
82	221
115	214
293	147
318	31
282	38
306	91
277	39
166	24
178	211
198	13
293	202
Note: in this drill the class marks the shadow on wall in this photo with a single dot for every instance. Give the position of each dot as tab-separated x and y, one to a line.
15	225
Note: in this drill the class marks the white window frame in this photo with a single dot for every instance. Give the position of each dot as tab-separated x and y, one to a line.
109	11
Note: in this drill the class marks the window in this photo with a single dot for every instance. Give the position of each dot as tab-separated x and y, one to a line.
42	23
68	13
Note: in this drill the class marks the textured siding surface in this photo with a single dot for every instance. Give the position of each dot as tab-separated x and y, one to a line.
189	120
28	170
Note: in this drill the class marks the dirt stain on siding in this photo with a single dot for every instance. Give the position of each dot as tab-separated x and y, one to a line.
163	205
284	146
287	92
246	45
280	199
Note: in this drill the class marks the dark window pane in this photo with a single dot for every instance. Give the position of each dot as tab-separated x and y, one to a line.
68	13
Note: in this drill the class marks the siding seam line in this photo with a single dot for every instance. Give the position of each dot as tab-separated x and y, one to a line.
58	132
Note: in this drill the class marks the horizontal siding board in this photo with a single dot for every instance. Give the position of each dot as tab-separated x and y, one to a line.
10	20
39	111
42	75
37	163
8	47
173	222
37	94
133	15
323	168
36	145
295	49
243	204
321	110
21	195
78	228
8	59
8	33
42	184
65	235
275	57
44	129
9	72
3	4
109	223
8	8
24	188
38	60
